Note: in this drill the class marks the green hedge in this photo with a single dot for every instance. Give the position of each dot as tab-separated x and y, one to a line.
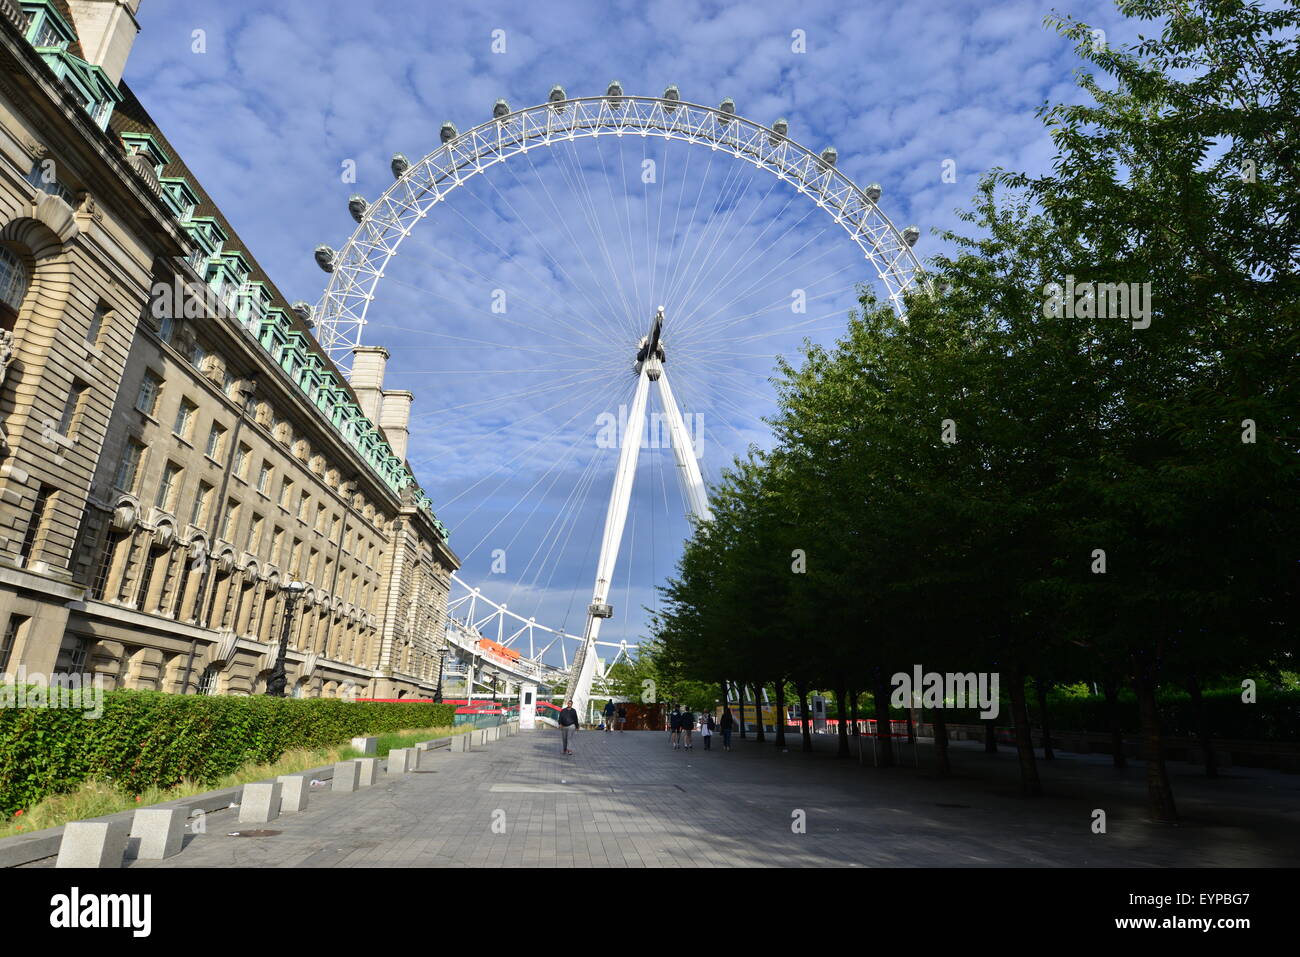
151	739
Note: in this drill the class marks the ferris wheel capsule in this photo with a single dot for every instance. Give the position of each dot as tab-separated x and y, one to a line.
557	95
728	109
911	234
448	132
873	192
829	156
672	94
399	165
499	109
303	311
325	258
781	128
357	206
614	93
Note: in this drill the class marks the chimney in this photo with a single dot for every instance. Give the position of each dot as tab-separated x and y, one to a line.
395	420
367	379
106	30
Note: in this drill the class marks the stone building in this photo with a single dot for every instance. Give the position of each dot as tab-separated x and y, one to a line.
183	471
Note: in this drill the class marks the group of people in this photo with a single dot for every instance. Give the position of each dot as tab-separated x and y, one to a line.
681	725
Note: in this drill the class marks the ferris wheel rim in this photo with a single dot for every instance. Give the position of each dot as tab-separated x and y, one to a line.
355	271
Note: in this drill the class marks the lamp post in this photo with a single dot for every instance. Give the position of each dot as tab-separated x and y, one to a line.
276	683
437	692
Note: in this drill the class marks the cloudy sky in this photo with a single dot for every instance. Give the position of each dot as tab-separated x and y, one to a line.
512	411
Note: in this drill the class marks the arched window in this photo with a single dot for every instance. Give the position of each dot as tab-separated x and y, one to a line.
13	286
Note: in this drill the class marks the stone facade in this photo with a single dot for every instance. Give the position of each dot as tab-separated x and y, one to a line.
175	448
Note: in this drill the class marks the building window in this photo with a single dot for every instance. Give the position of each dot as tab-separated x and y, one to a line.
13	279
254	535
71	416
208	680
228	382
167	488
17	625
150	390
216	441
35	523
264	478
198	355
277	545
303	502
200	513
232	520
99	583
129	468
242	455
96	324
74	656
286	493
185	419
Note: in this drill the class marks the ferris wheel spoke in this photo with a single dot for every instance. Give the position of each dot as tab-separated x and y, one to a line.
575	176
610	378
707	263
594	331
683	280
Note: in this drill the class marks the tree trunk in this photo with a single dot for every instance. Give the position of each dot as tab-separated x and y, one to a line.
759	734
740	688
1029	783
780	713
1041	687
1203	731
1111	689
803	714
840	696
941	765
883	726
990	736
853	711
1160	795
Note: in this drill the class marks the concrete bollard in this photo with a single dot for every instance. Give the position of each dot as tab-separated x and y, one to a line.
347	775
368	771
157	833
366	745
260	802
293	793
93	844
460	742
399	761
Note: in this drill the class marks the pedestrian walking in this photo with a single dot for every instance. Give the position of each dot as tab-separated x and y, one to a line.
622	718
727	725
675	726
568	725
706	729
609	715
687	726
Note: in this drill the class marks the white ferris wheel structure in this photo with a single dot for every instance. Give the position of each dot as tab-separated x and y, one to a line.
356	272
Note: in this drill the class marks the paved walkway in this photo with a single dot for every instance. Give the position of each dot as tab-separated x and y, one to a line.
629	800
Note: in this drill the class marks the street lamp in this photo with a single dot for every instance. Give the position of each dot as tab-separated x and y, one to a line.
276	683
437	692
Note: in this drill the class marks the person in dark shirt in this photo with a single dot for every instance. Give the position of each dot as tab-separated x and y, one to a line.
568	725
727	725
622	719
687	726
609	716
675	725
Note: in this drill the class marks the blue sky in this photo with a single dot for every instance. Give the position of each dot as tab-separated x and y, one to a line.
508	406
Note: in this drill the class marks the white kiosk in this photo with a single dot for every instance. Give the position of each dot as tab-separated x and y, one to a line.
527	707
